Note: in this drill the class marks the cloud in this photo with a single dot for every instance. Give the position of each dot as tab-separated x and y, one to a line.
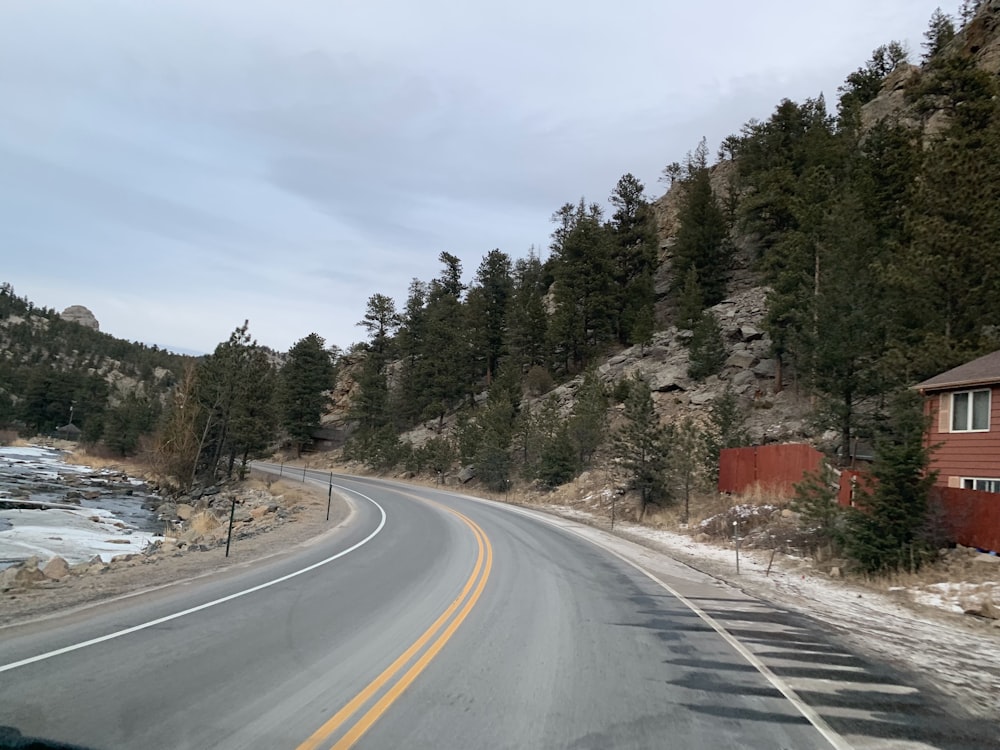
190	164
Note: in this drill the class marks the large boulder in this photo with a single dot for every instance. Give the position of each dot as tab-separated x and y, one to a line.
80	314
669	378
24	574
740	360
766	368
56	568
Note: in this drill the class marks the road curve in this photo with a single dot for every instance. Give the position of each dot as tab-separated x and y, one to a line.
451	623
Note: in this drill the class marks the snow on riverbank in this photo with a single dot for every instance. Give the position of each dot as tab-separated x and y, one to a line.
76	535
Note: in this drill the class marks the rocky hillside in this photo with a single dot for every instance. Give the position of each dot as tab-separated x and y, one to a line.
820	246
57	367
81	316
774	412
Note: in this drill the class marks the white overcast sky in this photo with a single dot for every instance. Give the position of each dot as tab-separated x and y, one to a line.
180	166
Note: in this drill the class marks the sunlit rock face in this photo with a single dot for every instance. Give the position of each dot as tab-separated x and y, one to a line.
80	314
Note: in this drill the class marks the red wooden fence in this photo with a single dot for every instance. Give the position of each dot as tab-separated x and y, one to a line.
772	468
972	518
851	482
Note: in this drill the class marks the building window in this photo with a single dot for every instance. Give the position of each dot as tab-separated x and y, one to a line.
983	485
970	411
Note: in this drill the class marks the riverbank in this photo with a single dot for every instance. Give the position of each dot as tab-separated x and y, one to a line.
271	517
50	508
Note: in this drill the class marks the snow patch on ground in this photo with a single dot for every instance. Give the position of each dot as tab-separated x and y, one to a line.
74	535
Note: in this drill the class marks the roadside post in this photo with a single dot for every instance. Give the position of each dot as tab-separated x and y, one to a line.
614	498
736	538
329	499
281	469
229	536
303	473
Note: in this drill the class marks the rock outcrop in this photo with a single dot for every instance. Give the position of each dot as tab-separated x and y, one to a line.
979	40
80	314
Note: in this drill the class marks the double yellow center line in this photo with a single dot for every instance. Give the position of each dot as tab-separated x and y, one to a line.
388	684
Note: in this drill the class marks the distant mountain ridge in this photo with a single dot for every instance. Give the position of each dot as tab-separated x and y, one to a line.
57	365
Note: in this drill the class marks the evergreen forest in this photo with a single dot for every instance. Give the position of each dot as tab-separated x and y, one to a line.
871	222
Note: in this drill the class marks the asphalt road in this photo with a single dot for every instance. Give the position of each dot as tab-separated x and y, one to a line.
435	621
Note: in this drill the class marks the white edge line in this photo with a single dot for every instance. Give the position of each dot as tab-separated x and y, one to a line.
831	735
206	605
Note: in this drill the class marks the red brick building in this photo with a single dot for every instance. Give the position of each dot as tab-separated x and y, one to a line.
964	409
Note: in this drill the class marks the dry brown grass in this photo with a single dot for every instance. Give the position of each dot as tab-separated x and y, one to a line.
10	437
81	457
293	493
203	523
756	494
95	460
953	567
710	504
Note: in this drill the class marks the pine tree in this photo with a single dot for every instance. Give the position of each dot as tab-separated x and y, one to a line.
688	469
125	422
701	235
496	426
839	334
445	359
816	502
789	166
884	529
527	320
706	350
726	428
488	302
940	31
372	408
587	426
864	84
950	257
254	418
236	391
550	456
306	380
640	446
412	344
557	462
381	321
633	261
582	322
691	301
968	10
525	441
436	456
218	377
